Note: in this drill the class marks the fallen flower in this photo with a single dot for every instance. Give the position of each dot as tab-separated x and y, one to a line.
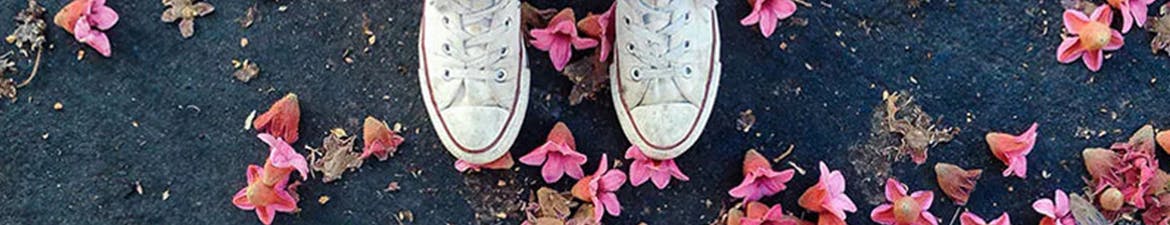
969	218
828	197
379	140
558	155
1089	36
86	19
339	156
1132	11
282	159
600	189
1013	150
503	163
589	76
30	29
1163	139
185	11
919	131
767	12
559	39
265	199
282	119
600	27
759	179
903	209
956	182
1160	26
1055	212
660	171
760	214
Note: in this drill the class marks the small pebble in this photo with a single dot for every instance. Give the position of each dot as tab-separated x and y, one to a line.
58	106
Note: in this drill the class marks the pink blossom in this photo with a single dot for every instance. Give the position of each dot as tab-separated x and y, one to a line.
599	189
379	140
558	155
602	28
559	38
1013	149
265	199
1090	36
767	12
86	20
969	218
759	179
503	163
759	214
1055	213
1132	11
903	209
282	156
828	197
644	168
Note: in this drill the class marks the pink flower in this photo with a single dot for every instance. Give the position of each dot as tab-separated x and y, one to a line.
1089	37
599	189
913	209
282	156
1055	213
557	38
379	140
767	12
265	199
1013	150
828	197
644	168
503	163
759	180
759	214
86	19
969	218
602	28
558	154
1132	11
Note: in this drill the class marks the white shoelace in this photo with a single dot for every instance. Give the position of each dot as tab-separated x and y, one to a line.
653	46
474	52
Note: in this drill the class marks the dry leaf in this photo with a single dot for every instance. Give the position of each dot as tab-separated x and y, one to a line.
246	71
250	17
1160	26
338	155
918	130
185	11
29	34
1084	211
589	76
7	86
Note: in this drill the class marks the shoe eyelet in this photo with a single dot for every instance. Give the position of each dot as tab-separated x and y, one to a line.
503	51
446	48
636	74
508	22
501	75
687	71
630	46
687	16
446	75
446	20
687	44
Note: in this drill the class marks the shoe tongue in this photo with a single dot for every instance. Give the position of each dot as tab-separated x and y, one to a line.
658	3
477	5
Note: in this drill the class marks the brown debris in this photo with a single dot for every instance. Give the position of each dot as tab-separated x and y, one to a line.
7	86
1160	26
185	11
745	121
29	34
250	17
872	158
337	155
246	70
589	76
531	17
917	129
489	200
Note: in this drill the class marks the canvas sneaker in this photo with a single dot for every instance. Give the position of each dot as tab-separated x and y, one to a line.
474	75
665	73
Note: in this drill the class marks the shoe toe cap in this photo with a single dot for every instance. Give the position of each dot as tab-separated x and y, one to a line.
665	125
475	128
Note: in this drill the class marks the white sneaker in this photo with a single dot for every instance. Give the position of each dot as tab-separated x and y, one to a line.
666	72
474	75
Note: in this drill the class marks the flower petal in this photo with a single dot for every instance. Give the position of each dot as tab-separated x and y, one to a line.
1045	207
1074	20
883	214
1115	42
969	218
1103	15
894	190
553	170
102	17
1070	50
537	156
1093	60
639	172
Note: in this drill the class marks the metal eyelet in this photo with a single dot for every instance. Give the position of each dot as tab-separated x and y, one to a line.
446	20
446	75
503	51
687	16
508	22
687	71
627	20
636	74
687	44
446	48
501	75
630	46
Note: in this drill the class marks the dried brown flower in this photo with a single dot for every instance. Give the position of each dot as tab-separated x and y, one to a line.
918	130
7	86
589	76
246	71
29	34
337	156
185	11
1160	26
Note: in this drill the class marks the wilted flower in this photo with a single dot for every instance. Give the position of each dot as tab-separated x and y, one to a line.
379	140
904	208
1013	150
560	38
86	19
828	197
645	168
600	189
558	155
759	179
282	119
